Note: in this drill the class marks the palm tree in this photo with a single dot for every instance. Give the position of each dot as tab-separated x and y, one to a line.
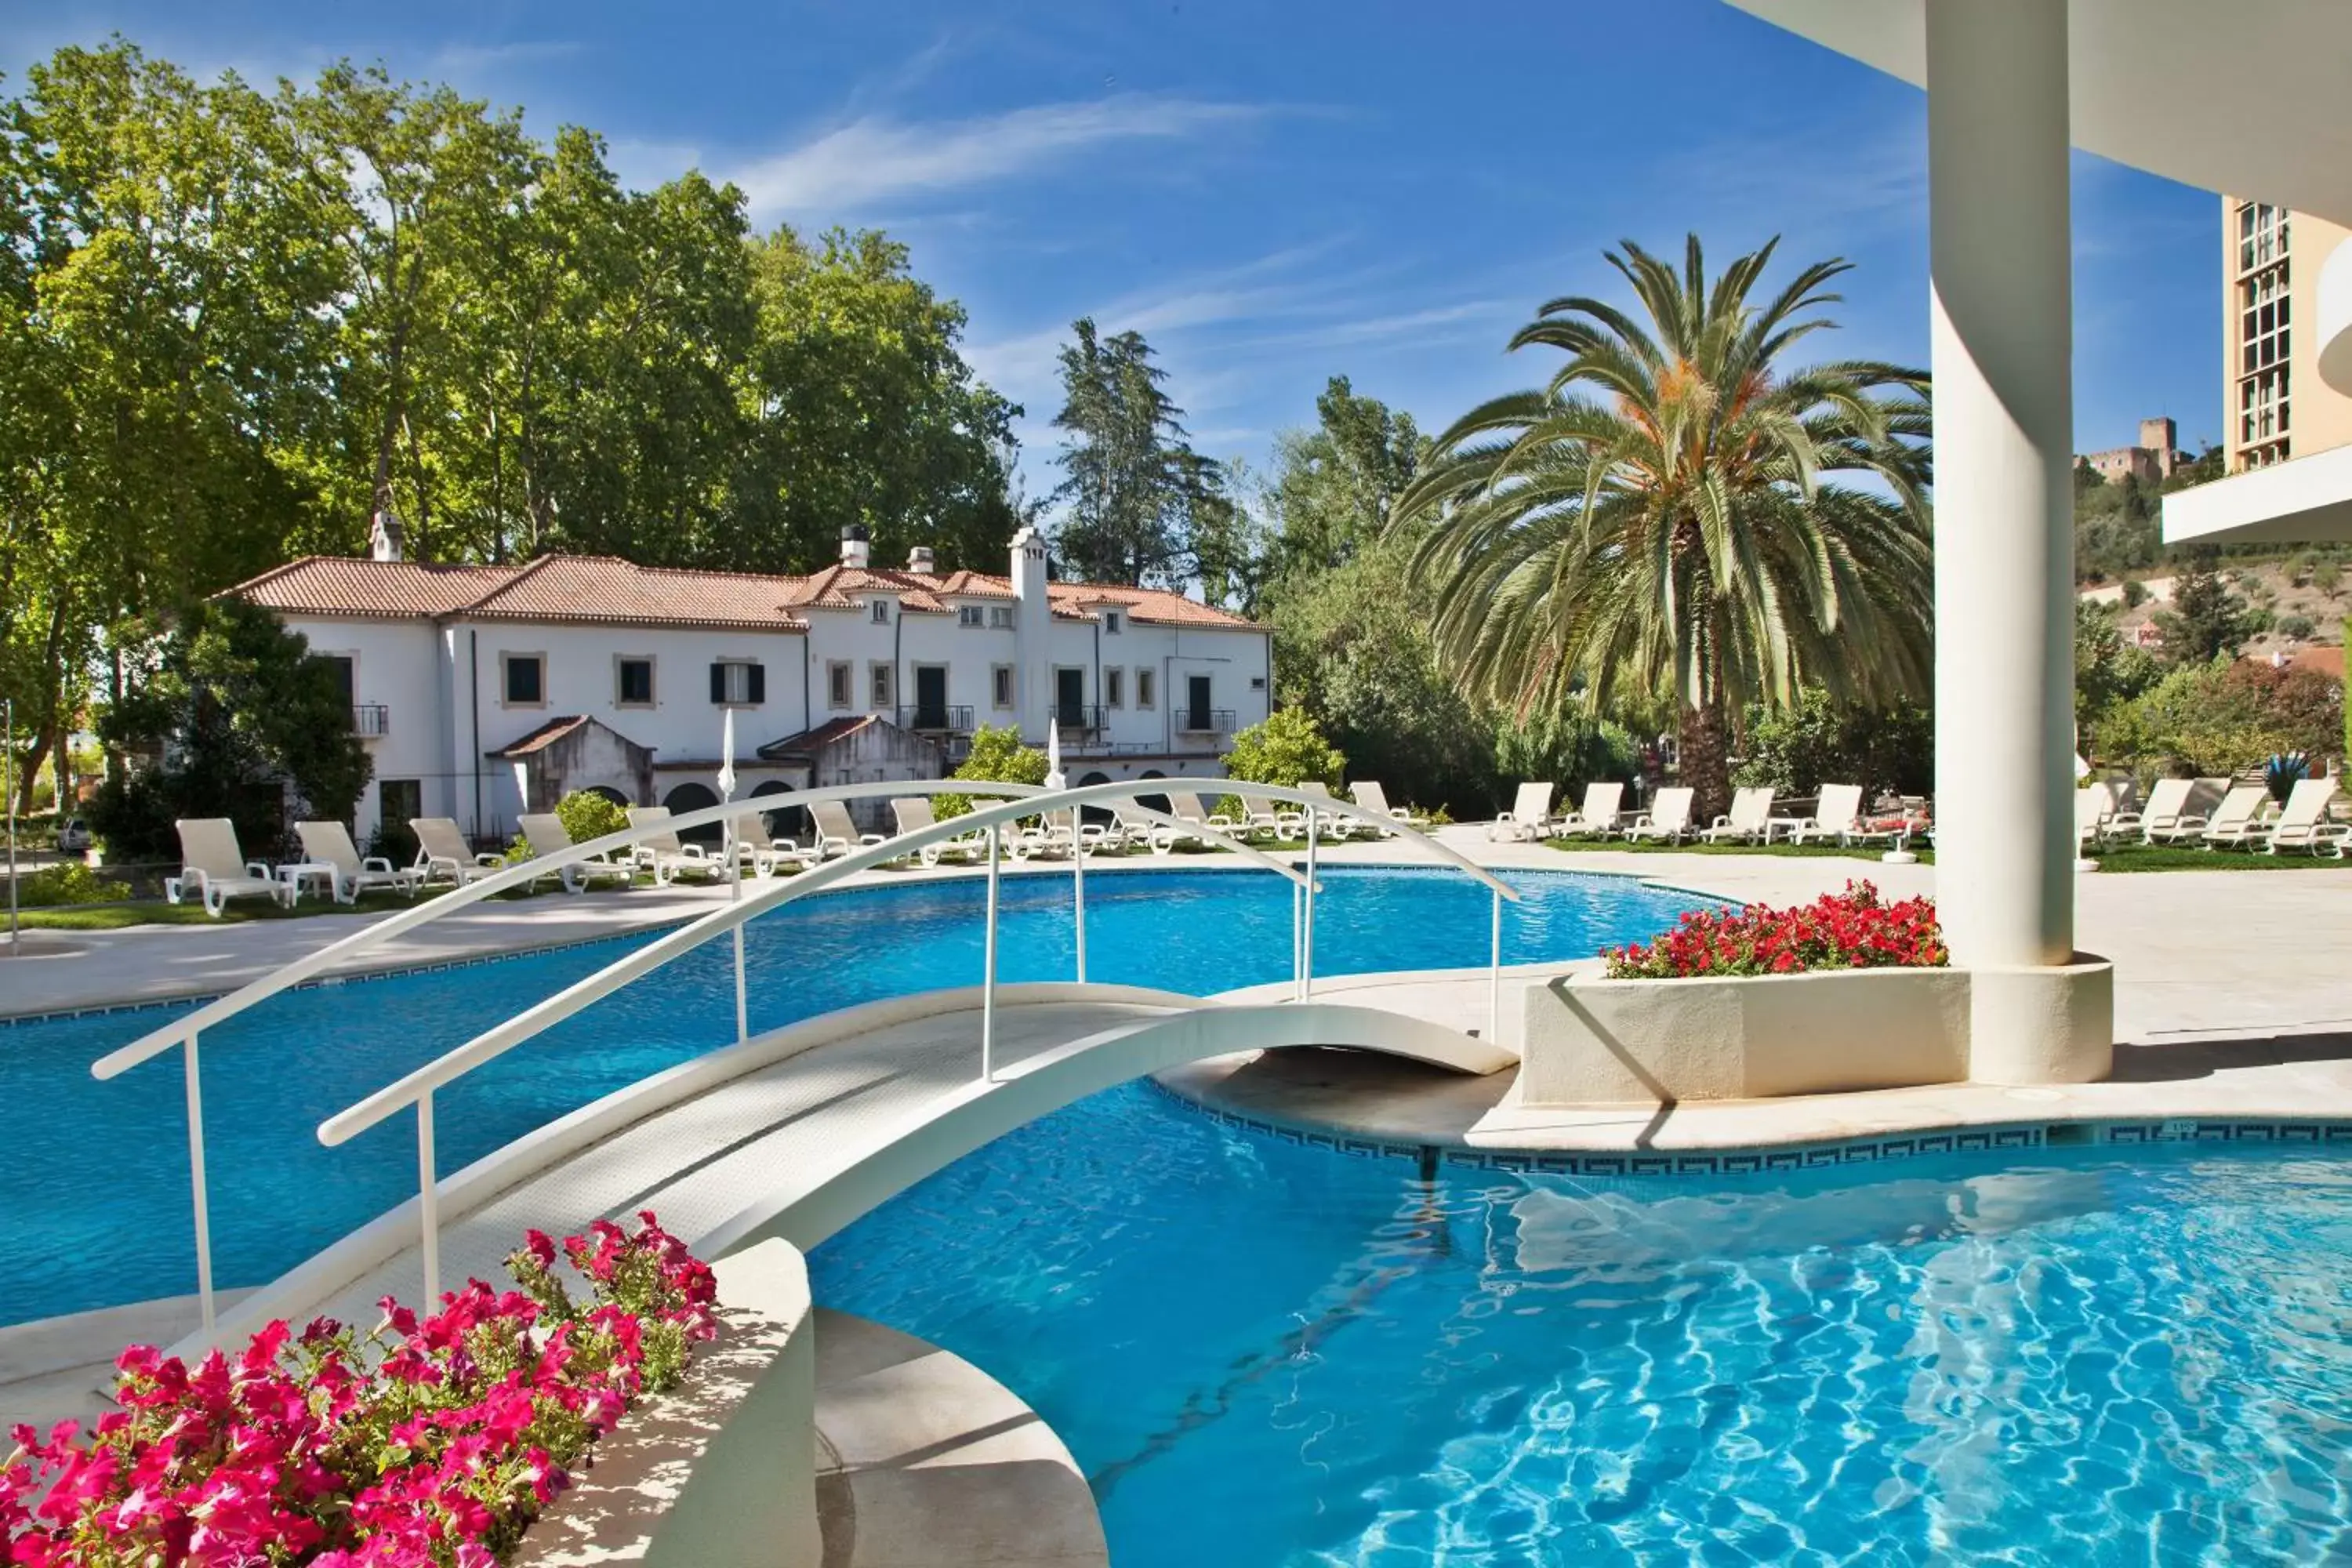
1664	518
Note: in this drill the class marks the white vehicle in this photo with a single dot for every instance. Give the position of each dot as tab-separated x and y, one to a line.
73	836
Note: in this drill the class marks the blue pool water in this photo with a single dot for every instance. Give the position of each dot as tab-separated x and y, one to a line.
94	1204
1264	1354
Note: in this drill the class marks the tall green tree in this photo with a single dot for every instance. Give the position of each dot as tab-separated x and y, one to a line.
1665	515
2205	620
1136	493
1336	484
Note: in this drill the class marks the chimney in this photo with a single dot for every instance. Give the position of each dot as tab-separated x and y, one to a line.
1033	632
853	548
921	562
385	537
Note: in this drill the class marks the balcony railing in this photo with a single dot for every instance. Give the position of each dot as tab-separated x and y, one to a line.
937	718
371	719
1079	719
1204	721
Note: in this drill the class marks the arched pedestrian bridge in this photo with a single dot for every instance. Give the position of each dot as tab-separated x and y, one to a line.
793	1134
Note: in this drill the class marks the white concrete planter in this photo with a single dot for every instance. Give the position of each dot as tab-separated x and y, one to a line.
721	1472
1665	1040
1594	1041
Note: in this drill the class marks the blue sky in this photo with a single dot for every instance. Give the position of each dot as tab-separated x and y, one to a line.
1273	194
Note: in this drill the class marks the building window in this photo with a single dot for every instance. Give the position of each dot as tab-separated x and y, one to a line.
879	612
346	673
2263	406
836	683
1000	686
524	678
398	802
2262	305
2262	235
1110	622
1145	697
738	683
1115	688
879	682
1000	615
633	682
970	616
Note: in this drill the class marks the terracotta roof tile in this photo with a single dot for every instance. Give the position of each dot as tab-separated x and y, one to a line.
546	735
600	589
400	590
825	735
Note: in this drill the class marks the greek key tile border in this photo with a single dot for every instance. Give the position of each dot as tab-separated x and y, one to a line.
1794	1157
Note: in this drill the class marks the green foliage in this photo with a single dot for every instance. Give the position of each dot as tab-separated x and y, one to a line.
2214	719
2205	620
1572	748
70	883
2107	670
1288	749
1139	497
1821	741
2299	628
1665	516
241	711
996	754
586	814
1336	485
2135	592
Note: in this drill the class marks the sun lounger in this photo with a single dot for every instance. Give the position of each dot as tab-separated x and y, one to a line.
1052	838
1373	797
836	833
2238	820
2304	824
2096	804
1668	816
545	832
915	813
1185	807
330	843
752	847
665	856
1329	826
1748	820
442	851
213	870
1837	815
1597	817
1530	817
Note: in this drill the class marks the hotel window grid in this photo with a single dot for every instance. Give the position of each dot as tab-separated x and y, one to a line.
970	616
737	683
2262	413
2263	300
2262	235
1000	615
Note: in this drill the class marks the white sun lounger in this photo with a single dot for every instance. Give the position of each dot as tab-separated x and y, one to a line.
1597	817
1530	817
330	843
442	851
1668	816
2096	804
2238	820
2167	808
545	832
1748	820
836	833
1837	815
2304	824
215	871
915	813
2188	823
666	855
1373	797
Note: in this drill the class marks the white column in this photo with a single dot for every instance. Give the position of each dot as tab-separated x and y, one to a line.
2003	336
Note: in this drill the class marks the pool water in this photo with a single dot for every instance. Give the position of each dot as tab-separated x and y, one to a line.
1265	1354
94	1202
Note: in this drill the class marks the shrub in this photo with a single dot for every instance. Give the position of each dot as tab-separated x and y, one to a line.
2135	592
2299	628
70	883
586	814
1818	741
420	1445
2221	717
997	756
1853	930
1287	749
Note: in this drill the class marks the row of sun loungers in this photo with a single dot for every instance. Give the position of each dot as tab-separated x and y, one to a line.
2215	814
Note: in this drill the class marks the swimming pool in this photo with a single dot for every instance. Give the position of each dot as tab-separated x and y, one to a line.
1263	1354
94	1206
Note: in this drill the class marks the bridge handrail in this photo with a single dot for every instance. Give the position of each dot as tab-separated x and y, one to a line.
400	921
531	1021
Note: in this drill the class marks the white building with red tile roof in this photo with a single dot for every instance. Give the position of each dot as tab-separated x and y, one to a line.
460	675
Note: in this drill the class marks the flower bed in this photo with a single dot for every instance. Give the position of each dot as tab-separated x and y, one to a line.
1853	930
422	1444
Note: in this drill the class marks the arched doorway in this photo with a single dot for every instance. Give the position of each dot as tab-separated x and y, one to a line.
609	793
1152	802
688	797
1095	813
783	821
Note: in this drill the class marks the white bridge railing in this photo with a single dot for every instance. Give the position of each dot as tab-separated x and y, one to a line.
417	1087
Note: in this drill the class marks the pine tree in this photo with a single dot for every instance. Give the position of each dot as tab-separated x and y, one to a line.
2206	620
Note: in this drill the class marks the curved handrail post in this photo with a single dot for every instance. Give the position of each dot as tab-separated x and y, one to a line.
1307	962
988	967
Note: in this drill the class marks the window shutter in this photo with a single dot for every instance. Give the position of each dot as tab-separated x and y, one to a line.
759	688
718	683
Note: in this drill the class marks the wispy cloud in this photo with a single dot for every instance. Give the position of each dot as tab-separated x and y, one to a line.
875	157
479	60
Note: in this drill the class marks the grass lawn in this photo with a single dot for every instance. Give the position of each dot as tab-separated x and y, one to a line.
1789	851
156	912
2167	857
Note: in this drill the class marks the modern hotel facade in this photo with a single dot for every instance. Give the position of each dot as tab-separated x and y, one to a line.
2278	407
